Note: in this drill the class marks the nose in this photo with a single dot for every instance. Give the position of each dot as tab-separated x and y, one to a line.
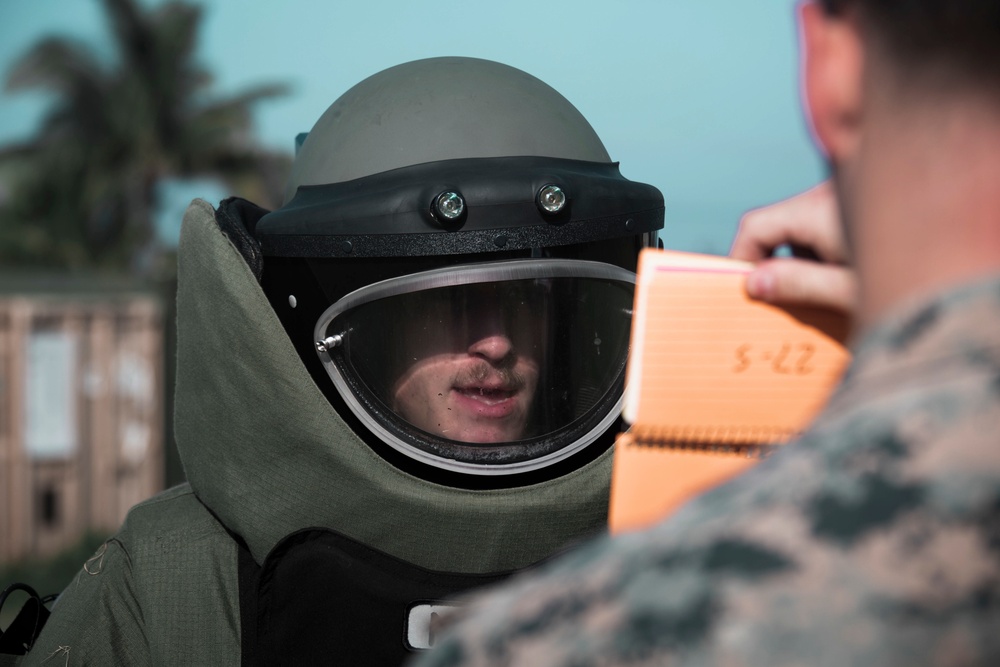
494	348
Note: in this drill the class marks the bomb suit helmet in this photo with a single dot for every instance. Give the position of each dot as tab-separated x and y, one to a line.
454	262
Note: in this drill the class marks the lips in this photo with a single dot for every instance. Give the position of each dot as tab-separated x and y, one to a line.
487	395
494	402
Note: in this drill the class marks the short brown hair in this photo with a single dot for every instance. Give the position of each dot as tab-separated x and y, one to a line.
962	36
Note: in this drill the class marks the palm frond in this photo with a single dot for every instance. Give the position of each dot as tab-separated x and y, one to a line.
60	65
82	191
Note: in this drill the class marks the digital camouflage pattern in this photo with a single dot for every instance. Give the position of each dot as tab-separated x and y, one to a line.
873	540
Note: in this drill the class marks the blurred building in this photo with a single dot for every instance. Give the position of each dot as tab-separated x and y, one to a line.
81	410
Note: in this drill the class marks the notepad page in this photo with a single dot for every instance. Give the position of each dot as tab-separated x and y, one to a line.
710	364
715	381
648	482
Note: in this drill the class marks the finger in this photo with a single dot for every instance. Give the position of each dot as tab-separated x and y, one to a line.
809	220
794	282
802	220
756	238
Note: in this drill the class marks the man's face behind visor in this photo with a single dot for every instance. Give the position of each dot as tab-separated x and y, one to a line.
497	354
475	353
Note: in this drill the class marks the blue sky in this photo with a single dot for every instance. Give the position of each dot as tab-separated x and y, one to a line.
697	97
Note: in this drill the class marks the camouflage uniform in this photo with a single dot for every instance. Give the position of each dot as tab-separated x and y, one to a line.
874	540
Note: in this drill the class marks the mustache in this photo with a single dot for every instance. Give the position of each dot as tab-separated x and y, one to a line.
483	372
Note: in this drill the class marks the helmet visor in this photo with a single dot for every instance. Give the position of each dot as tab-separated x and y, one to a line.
492	368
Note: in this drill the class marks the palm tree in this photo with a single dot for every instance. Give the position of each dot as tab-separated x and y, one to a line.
82	192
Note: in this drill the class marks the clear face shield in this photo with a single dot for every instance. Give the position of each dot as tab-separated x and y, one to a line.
495	368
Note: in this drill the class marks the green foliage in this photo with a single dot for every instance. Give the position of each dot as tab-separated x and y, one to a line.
46	577
81	193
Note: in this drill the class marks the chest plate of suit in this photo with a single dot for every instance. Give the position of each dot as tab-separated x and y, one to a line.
322	598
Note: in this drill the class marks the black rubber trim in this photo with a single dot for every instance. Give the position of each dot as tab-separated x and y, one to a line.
461	242
389	214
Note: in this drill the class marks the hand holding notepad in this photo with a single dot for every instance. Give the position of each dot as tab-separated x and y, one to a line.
714	381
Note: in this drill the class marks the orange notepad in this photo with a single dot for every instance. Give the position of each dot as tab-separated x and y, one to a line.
715	381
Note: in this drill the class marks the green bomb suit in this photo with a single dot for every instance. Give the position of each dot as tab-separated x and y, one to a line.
266	456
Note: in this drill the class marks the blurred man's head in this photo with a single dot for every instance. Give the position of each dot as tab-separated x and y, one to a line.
904	98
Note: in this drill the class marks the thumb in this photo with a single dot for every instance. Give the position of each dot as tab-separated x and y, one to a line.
796	282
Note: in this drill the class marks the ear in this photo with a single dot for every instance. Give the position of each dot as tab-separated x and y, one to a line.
832	78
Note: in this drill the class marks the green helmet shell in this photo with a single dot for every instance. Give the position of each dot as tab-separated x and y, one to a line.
441	109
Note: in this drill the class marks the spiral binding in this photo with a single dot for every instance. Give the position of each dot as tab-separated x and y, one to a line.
749	442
